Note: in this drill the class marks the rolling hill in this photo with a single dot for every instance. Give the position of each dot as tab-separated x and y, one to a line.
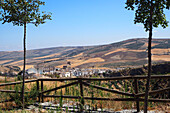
132	52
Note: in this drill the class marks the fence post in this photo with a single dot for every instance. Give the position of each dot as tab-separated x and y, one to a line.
42	95
136	92
81	93
38	90
169	90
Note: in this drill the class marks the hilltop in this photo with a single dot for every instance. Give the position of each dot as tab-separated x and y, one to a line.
132	52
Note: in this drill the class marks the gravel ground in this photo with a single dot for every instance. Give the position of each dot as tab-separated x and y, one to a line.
73	108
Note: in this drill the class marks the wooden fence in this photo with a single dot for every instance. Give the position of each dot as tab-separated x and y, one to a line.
137	97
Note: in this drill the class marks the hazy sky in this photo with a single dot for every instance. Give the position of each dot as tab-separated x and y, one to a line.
78	22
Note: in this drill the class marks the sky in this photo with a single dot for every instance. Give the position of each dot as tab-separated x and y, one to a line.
78	23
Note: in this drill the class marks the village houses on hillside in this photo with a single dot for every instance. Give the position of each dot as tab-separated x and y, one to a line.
70	72
63	72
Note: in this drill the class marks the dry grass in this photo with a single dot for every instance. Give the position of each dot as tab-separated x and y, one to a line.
116	106
28	86
136	50
76	62
81	54
161	57
117	50
16	62
97	59
146	45
8	79
160	51
91	60
98	67
52	55
27	66
52	59
123	50
129	43
4	61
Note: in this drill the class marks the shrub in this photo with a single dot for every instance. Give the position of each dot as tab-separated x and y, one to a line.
30	97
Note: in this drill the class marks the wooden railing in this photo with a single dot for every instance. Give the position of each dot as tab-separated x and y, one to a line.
136	96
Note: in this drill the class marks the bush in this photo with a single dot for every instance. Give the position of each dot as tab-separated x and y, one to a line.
19	77
30	97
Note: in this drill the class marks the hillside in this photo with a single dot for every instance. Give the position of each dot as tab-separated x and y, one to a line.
132	52
9	69
157	69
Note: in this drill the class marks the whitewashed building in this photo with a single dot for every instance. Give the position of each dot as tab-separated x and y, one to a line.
67	74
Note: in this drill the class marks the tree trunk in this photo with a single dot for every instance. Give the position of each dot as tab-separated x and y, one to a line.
23	84
149	59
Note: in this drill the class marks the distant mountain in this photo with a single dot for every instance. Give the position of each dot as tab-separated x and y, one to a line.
132	52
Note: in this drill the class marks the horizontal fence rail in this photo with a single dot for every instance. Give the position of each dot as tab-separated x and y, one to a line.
14	83
11	91
86	82
107	78
153	92
109	90
70	84
109	99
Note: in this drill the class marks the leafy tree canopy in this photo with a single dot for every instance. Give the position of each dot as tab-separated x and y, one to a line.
22	11
143	8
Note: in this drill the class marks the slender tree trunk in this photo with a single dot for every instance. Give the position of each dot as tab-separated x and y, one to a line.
149	59
23	85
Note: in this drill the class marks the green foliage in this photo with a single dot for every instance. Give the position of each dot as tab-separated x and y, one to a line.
55	75
32	95
19	77
77	92
81	101
73	91
61	99
66	90
29	98
144	8
124	85
92	94
22	11
16	97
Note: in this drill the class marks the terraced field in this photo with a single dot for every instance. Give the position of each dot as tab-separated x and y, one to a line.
132	52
